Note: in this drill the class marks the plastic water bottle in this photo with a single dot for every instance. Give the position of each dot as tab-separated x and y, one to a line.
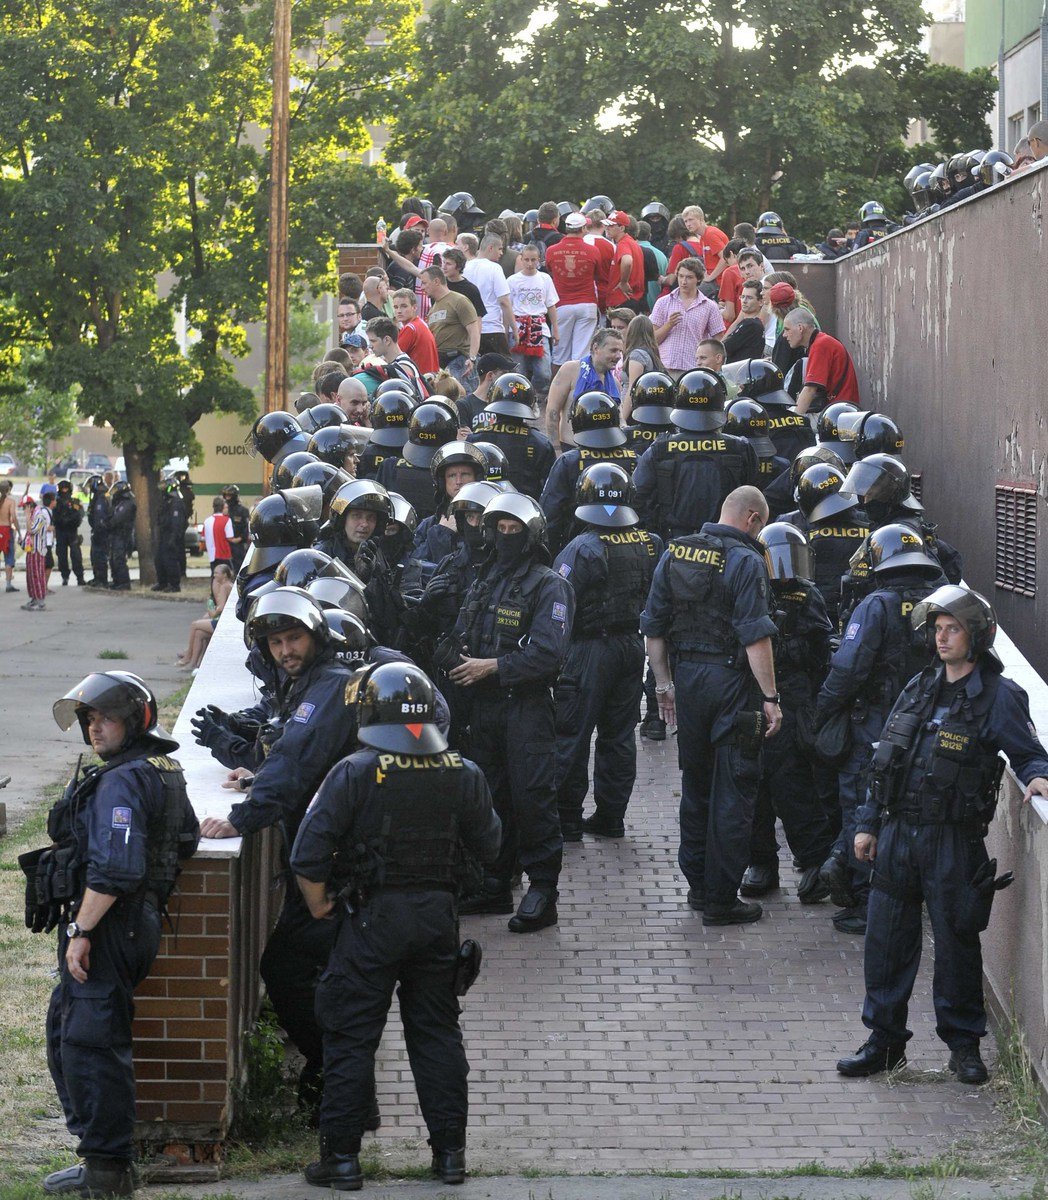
380	230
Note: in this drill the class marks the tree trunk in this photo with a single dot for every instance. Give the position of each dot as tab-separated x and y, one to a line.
143	480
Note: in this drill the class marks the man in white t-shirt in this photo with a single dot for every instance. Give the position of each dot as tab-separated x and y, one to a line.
533	298
218	534
497	326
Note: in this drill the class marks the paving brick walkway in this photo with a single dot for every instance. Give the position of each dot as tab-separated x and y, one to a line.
631	1038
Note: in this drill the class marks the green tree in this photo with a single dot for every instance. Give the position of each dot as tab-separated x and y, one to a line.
956	104
742	105
134	185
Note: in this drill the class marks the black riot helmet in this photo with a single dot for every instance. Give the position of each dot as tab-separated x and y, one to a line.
334	443
272	432
284	474
474	497
463	208
769	222
496	464
565	207
595	421
403	513
871	211
458	454
921	191
301	567
994	167
65	487
390	415
231	492
793	381
604	496
701	396
116	694
785	551
870	433
913	172
531	217
432	425
396	384
827	433
334	591
881	483
602	204
759	379
282	609
654	396
348	633
367	495
747	419
655	212
811	455
512	395
120	490
520	508
328	478
939	184
900	547
396	707
94	484
969	608
287	520
320	416
819	494
959	171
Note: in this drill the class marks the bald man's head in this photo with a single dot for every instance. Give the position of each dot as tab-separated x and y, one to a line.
353	400
745	509
438	230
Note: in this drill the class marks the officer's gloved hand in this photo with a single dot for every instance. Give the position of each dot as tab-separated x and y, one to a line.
206	728
439	586
983	880
242	726
364	561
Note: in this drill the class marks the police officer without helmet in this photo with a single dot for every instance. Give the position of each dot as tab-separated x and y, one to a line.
933	792
380	857
609	565
708	613
117	835
513	631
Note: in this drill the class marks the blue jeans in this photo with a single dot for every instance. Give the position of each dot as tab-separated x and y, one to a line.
468	378
535	368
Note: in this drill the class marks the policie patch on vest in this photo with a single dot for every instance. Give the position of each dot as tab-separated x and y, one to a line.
303	712
853	631
564	570
121	818
560	613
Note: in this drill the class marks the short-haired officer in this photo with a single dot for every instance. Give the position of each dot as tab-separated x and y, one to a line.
117	836
934	783
391	829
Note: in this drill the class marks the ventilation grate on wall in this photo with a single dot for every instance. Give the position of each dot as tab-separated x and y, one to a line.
917	486
1016	550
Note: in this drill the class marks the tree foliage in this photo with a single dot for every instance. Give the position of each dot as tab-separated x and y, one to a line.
738	104
134	181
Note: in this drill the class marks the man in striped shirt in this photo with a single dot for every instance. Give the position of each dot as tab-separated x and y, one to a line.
684	318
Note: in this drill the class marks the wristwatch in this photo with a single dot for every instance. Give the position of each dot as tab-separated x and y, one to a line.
73	930
771	699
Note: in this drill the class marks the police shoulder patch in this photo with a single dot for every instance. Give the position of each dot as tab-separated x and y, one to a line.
853	631
564	570
560	613
121	818
303	712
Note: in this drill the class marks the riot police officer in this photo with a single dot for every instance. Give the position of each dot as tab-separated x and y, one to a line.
67	516
98	521
185	488
240	515
781	492
787	787
708	613
599	437
772	239
934	784
432	425
877	655
513	631
761	380
280	523
275	435
454	465
309	731
390	415
651	406
117	836
609	565
683	479
379	858
504	422
748	420
120	527
170	539
875	224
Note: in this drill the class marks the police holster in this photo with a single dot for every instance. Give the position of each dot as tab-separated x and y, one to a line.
973	915
51	886
467	966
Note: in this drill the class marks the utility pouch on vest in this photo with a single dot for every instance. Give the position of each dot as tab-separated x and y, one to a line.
664	489
52	884
467	966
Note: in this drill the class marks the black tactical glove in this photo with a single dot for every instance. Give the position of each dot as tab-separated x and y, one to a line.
243	727
364	561
976	902
230	750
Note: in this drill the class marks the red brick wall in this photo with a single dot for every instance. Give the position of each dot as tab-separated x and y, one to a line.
358	257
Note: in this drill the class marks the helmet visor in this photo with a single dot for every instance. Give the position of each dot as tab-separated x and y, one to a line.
868	481
788	560
115	698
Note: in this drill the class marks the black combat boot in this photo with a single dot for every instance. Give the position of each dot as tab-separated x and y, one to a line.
449	1166
106	1177
338	1167
871	1058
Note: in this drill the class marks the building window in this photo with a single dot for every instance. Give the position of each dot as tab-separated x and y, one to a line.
1015	511
1033	115
1015	127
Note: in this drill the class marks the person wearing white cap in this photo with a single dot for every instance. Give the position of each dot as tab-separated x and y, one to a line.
575	268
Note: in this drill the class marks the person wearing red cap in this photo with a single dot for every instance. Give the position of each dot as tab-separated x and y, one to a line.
626	279
830	374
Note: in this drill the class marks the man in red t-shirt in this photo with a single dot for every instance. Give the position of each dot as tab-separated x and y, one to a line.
626	279
574	265
415	338
829	374
731	280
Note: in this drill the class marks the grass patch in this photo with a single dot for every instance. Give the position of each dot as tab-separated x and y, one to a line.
113	654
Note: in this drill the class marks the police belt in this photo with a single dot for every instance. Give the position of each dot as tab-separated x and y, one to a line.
606	631
915	809
707	656
489	686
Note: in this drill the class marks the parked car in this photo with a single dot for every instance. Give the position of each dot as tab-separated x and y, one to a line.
61	469
8	466
99	462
